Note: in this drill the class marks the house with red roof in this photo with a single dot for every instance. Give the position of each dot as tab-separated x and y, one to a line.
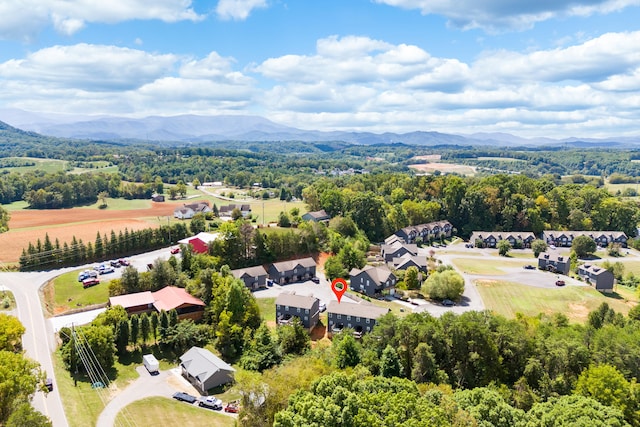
168	298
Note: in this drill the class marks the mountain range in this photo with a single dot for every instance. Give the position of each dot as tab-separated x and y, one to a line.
196	129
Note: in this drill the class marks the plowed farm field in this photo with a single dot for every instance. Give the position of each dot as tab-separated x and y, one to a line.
30	225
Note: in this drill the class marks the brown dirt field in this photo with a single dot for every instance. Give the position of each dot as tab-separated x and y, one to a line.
30	225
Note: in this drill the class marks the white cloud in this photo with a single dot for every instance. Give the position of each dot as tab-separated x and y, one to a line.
495	15
97	79
27	17
364	84
238	10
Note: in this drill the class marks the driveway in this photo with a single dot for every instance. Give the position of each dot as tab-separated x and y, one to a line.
321	290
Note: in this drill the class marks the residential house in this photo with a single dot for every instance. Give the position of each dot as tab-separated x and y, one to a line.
157	198
397	249
187	211
600	278
602	238
136	303
174	298
407	260
317	216
204	369
555	262
359	317
253	277
425	232
372	281
290	305
490	239
296	270
226	211
167	298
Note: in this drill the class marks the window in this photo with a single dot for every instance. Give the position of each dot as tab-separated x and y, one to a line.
277	306
357	319
368	321
338	316
306	317
306	311
348	317
298	309
286	307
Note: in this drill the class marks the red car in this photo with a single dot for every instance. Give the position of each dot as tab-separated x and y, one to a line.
232	407
175	250
86	283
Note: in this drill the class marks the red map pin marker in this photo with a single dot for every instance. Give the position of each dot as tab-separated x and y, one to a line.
339	291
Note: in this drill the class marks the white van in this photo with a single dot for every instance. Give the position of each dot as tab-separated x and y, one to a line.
151	363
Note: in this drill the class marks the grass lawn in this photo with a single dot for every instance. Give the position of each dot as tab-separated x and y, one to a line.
121	204
68	293
480	266
507	299
160	411
7	301
267	309
396	309
83	404
45	165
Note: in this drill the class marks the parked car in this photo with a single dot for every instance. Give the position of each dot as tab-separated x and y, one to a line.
115	264
269	282
323	307
184	397
210	402
448	303
87	274
315	280
232	407
175	250
560	283
124	262
92	281
48	383
106	269
529	267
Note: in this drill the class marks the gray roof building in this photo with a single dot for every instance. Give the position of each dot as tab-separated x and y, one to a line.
359	317
204	369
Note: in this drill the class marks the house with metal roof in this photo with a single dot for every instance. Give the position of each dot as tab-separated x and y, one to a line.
204	369
168	298
317	216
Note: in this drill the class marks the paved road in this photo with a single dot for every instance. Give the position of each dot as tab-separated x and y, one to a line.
39	338
145	386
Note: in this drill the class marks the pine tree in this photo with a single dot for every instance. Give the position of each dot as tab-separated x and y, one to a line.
135	329
154	325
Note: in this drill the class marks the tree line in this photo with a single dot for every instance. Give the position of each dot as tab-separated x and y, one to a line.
477	367
45	254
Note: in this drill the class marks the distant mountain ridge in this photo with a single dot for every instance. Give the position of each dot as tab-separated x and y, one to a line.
196	129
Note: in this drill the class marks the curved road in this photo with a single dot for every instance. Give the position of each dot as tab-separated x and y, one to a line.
39	338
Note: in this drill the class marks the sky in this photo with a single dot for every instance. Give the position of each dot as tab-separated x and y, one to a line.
533	68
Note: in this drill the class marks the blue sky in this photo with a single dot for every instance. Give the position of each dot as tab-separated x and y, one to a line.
554	68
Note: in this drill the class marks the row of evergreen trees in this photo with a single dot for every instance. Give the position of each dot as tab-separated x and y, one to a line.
48	255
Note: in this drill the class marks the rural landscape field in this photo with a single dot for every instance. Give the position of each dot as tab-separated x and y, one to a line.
251	213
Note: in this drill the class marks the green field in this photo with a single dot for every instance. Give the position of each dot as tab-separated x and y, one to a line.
161	411
121	204
482	266
69	293
44	165
501	159
507	299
